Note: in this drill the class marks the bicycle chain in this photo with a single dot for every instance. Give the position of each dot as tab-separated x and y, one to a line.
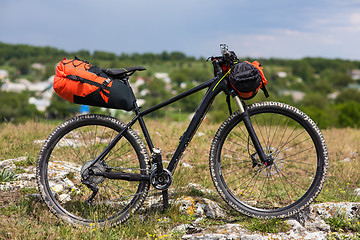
123	168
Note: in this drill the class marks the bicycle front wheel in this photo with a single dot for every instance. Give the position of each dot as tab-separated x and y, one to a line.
287	183
73	193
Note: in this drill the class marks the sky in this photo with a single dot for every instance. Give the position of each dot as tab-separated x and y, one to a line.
258	28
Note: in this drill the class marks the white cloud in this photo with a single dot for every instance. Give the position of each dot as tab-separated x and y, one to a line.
287	43
333	34
354	18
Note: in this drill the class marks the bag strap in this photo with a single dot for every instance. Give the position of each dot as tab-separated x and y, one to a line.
81	62
76	58
101	86
263	88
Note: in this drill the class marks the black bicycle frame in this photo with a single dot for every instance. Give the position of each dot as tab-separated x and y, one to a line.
215	86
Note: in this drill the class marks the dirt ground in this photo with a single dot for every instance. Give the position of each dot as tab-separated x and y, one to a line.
9	197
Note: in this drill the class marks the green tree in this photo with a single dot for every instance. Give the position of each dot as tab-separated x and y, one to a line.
157	93
315	99
190	103
22	65
177	56
338	79
178	77
348	95
341	80
102	55
304	70
83	54
349	114
319	115
322	86
165	56
49	71
60	108
15	107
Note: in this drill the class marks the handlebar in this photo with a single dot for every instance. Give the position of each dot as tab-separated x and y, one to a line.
225	50
226	61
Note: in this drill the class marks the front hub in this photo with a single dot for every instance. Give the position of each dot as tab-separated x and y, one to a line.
269	161
272	164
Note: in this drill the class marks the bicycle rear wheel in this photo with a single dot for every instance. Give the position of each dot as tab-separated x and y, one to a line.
62	165
289	182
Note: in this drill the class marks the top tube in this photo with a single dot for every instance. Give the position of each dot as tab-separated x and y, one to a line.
180	96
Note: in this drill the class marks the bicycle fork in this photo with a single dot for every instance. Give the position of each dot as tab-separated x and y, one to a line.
255	140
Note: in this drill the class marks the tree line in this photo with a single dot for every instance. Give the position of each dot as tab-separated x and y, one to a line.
315	77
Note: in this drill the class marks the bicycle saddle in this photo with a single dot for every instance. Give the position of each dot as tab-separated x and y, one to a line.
120	72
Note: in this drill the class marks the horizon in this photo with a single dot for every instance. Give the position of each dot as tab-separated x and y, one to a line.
169	52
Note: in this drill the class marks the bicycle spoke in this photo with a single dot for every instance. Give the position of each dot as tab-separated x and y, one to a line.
277	187
237	144
73	191
86	145
238	154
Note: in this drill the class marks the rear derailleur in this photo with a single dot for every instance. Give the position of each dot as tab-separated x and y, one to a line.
89	178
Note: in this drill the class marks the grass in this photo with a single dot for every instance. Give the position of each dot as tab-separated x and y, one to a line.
266	226
28	218
17	140
344	224
7	176
344	154
335	236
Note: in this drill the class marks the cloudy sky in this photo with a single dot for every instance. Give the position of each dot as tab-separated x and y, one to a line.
261	28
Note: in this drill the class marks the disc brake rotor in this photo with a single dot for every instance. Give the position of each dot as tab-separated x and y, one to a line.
276	161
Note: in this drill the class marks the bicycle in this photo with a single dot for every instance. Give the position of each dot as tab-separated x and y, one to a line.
267	159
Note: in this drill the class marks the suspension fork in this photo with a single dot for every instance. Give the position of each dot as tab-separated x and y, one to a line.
250	129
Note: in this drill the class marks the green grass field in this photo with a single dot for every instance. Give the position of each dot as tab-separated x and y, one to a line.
22	217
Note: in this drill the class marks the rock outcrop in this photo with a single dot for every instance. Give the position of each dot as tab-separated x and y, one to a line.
308	224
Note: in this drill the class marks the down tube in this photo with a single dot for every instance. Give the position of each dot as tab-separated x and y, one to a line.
200	113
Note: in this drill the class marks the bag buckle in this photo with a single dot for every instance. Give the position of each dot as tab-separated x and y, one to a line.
106	82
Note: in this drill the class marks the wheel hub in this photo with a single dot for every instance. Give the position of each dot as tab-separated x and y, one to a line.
273	162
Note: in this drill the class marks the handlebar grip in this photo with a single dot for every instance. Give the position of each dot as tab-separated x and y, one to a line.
217	68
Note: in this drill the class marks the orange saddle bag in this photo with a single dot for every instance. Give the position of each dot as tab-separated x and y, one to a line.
80	82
